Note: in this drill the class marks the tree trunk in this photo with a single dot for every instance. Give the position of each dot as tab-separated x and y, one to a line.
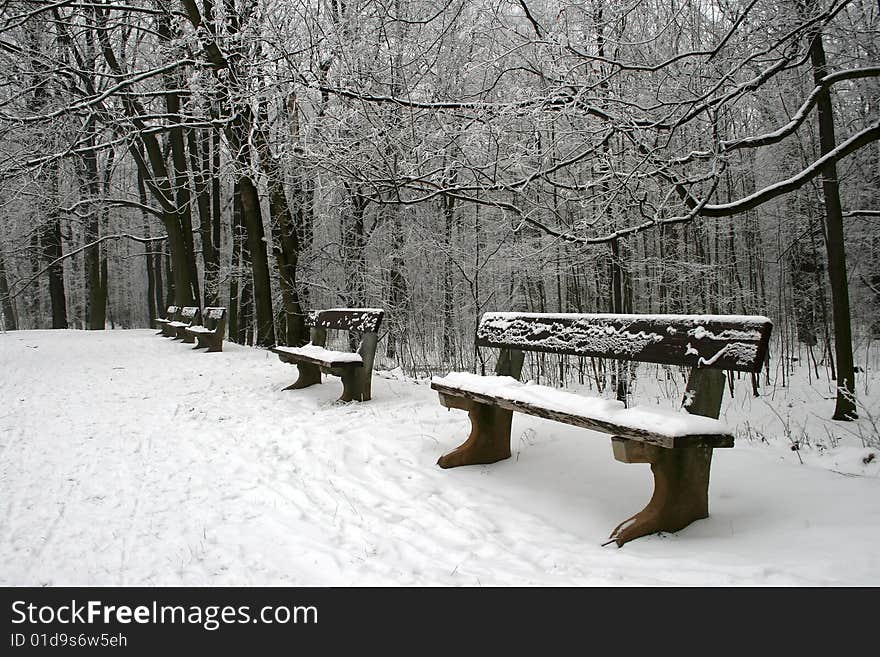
200	163
448	205
52	252
7	308
285	236
845	408
397	284
96	297
256	248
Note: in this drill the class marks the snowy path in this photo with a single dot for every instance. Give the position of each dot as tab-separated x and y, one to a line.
126	458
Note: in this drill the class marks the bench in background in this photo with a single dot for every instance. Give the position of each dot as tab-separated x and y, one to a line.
212	331
188	316
354	368
171	315
677	445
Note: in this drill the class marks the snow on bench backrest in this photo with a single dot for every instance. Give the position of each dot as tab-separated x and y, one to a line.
189	312
729	342
172	310
348	319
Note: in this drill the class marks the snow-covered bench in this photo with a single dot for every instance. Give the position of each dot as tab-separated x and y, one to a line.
170	316
188	316
678	445
355	368
212	331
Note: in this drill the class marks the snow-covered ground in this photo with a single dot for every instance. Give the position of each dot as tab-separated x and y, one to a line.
127	458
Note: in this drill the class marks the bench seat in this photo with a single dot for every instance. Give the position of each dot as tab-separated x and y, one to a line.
178	324
315	355
198	329
654	425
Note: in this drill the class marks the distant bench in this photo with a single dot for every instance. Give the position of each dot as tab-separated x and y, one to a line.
171	314
212	331
188	316
354	368
677	445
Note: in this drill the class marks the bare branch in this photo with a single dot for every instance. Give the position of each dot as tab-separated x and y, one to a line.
143	240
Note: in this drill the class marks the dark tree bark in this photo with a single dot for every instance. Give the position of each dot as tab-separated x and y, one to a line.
284	218
845	408
152	261
200	162
257	293
354	254
165	266
10	321
398	297
241	302
96	293
53	252
448	205
216	215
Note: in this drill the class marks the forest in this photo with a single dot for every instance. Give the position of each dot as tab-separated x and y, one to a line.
440	159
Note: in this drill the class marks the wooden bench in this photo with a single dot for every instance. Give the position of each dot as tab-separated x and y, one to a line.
212	331
354	368
171	314
678	445
188	316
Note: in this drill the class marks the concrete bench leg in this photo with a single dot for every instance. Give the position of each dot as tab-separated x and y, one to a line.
353	388
188	338
215	344
309	375
489	440
681	488
681	475
357	381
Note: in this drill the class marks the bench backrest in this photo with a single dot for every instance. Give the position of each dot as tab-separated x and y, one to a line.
726	342
213	316
171	312
189	314
366	320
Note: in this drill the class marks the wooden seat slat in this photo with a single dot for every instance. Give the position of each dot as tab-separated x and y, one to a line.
587	422
294	355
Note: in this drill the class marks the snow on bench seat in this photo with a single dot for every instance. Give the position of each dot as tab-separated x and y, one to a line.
178	324
199	329
655	425
311	353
